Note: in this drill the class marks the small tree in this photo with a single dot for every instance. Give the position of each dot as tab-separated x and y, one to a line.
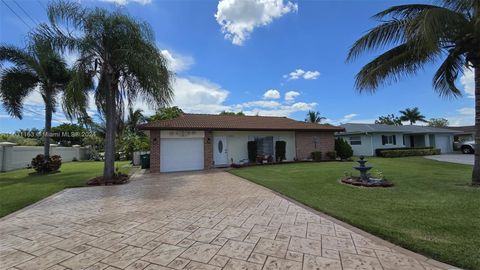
166	113
231	113
438	122
343	149
280	150
412	115
252	151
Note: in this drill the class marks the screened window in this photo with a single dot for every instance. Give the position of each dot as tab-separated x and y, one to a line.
389	139
265	145
355	140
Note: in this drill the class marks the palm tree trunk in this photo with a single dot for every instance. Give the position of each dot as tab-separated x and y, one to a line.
48	128
476	166
109	164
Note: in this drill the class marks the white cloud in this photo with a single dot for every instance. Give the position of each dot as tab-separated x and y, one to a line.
177	62
271	94
291	95
468	82
300	73
465	116
282	110
259	103
125	2
238	18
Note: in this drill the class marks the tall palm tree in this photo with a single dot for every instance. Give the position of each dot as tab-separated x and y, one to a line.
314	117
37	67
121	53
412	115
422	34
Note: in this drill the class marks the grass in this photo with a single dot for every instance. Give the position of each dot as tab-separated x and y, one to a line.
20	188
430	210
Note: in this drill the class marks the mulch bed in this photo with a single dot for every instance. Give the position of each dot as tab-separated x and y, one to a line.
356	181
118	179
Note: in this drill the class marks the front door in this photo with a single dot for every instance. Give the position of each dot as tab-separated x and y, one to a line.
220	156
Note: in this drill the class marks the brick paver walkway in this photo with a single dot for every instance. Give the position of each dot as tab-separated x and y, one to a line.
187	221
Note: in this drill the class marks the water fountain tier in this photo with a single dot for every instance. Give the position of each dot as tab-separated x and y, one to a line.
363	169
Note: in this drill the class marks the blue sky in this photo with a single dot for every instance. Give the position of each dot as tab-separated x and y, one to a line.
280	58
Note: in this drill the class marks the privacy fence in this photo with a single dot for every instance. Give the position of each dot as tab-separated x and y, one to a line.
14	157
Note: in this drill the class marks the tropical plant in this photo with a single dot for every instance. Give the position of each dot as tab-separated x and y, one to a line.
438	122
412	115
134	118
389	119
68	134
117	50
314	117
38	67
166	113
422	34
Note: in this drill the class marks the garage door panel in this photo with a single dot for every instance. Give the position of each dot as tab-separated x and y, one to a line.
181	154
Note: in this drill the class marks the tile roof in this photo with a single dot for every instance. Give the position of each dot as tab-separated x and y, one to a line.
410	129
235	122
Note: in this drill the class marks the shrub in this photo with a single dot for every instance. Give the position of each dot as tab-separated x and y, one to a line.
408	152
252	151
316	156
343	149
280	150
378	151
331	155
46	165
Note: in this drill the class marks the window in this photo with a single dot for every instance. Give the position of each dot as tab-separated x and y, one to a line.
389	139
355	140
265	145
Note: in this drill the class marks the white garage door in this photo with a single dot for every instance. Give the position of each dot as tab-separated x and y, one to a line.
443	143
181	154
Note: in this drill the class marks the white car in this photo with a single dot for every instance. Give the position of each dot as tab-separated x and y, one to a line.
468	147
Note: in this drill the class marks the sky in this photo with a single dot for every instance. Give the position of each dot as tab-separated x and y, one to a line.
269	57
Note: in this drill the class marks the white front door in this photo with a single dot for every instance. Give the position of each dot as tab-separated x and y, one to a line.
220	156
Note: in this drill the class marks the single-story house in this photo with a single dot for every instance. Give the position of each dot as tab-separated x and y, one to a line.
365	138
201	141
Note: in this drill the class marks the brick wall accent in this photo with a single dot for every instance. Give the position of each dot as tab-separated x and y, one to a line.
305	143
154	151
208	150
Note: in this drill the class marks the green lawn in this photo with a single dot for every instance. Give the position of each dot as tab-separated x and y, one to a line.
431	210
19	189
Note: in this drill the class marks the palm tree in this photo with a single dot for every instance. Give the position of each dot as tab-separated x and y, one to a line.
135	117
412	115
121	53
37	67
422	34
314	117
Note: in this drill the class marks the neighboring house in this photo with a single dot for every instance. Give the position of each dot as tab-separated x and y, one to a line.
365	138
200	141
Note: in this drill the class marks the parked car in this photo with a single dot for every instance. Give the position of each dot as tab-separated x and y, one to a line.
467	147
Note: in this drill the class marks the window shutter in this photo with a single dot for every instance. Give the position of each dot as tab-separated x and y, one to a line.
394	139
384	139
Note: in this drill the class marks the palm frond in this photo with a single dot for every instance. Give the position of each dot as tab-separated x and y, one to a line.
393	65
403	11
16	56
15	85
446	75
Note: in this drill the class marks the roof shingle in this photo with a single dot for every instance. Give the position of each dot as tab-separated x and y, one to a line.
235	122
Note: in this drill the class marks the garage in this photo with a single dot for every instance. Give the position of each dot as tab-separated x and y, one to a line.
444	143
182	154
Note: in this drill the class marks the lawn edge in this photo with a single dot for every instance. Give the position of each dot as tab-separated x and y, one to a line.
419	257
134	173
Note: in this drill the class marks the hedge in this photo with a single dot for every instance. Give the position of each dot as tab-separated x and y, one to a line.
379	150
407	152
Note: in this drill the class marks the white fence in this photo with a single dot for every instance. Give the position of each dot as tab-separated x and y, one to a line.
17	157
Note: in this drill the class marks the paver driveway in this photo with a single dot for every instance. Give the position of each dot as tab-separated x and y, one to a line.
186	221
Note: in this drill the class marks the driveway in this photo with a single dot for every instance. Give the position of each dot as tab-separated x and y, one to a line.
188	221
454	158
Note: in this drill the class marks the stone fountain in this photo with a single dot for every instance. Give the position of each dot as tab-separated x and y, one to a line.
365	179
